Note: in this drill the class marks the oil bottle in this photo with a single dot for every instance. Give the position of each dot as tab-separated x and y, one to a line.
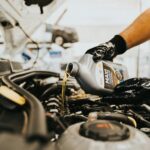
97	78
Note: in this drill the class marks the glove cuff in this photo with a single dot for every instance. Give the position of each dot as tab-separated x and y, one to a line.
120	44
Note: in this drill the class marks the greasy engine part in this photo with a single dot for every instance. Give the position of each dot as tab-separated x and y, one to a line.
53	105
142	121
58	124
37	128
138	112
55	97
56	89
121	113
51	100
13	121
132	91
85	106
76	110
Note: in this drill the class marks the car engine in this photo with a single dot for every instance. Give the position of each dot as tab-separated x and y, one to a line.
34	115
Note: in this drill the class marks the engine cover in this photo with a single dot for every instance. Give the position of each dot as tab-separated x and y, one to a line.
73	140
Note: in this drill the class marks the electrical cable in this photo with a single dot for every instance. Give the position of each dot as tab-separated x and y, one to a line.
34	42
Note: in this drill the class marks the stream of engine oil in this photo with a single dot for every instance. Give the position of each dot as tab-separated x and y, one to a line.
64	83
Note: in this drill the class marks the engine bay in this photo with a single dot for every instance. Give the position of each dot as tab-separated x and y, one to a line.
39	118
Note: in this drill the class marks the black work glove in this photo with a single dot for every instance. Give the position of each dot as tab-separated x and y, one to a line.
108	50
131	91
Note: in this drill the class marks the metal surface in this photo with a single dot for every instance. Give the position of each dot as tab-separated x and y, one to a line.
29	18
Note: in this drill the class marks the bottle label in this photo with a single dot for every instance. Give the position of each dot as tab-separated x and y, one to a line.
108	74
109	77
99	74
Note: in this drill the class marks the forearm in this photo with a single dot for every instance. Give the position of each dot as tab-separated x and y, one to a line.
139	31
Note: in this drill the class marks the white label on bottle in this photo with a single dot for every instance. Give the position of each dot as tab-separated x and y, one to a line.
99	73
108	77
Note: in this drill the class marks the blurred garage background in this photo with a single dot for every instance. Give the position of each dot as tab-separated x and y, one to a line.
94	22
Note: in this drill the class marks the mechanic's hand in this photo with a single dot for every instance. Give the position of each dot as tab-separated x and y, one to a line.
103	51
108	50
135	90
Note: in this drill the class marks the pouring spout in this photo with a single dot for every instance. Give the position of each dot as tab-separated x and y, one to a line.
72	68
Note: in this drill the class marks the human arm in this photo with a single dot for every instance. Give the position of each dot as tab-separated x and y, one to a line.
139	31
135	34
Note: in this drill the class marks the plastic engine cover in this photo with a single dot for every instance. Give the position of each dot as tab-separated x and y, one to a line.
73	140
